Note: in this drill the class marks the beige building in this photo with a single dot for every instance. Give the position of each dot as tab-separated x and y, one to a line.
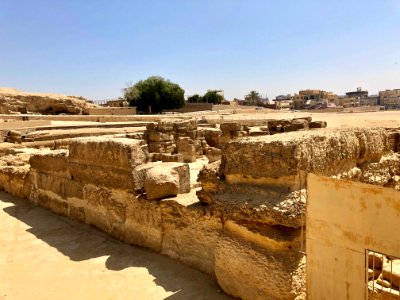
307	98
117	103
390	98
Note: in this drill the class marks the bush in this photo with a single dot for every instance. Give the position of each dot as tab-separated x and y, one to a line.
195	99
154	94
213	97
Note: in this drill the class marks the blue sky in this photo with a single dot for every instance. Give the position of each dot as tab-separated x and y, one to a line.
93	48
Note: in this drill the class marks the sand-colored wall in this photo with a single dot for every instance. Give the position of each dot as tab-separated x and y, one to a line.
111	111
343	220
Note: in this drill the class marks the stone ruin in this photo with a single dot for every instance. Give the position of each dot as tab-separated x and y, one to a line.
244	224
13	101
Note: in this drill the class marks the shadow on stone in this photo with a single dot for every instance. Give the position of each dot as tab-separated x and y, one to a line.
81	242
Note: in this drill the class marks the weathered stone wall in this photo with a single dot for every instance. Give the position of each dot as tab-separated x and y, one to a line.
260	186
247	232
73	183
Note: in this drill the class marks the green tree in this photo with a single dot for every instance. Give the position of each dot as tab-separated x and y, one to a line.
253	97
195	99
154	94
212	97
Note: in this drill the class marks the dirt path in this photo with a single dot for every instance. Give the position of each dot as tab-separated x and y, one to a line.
45	256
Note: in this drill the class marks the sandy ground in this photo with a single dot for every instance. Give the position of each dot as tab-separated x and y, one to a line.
389	119
45	256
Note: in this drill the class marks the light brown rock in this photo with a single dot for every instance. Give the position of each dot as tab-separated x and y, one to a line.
161	182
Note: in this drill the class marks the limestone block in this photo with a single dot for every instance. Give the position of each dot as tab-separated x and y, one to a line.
277	125
230	126
143	225
14	136
186	147
63	187
162	147
182	169
106	209
289	128
52	202
161	182
157	136
326	153
119	153
165	157
213	154
190	237
51	162
250	267
77	213
211	135
102	175
210	181
318	124
16	181
300	123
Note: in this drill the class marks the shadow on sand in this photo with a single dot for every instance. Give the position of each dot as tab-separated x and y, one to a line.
81	242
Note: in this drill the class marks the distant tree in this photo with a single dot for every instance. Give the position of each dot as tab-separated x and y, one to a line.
213	97
253	97
195	99
154	94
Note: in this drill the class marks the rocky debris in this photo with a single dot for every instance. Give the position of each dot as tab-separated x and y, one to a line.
385	172
14	101
161	182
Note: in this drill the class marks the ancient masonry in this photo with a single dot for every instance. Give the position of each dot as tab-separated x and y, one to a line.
241	222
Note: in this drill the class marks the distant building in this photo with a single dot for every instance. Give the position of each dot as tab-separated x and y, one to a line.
359	94
390	98
309	98
283	98
117	103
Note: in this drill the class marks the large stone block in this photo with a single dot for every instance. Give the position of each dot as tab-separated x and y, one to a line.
182	169
251	267
143	225
51	162
187	148
105	161
327	152
16	181
106	209
102	175
52	202
61	186
161	182
230	127
118	153
190	237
